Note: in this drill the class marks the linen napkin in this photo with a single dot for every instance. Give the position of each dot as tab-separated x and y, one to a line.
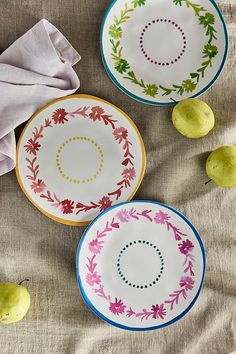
34	70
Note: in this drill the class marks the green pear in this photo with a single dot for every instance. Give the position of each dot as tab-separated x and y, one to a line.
221	166
193	118
14	302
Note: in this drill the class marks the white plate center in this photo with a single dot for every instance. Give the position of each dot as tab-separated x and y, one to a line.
140	264
79	160
163	42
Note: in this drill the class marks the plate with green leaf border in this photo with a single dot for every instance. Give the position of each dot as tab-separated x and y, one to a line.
160	52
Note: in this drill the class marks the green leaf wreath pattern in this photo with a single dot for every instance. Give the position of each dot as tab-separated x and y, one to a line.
210	51
138	3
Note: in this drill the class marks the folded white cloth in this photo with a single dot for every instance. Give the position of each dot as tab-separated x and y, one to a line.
34	70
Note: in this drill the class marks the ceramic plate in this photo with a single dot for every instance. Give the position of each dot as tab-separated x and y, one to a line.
78	156
140	265
163	51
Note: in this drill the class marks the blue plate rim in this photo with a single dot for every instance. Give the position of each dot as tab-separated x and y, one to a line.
137	329
140	99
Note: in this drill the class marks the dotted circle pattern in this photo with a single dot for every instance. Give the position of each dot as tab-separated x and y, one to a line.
163	20
62	172
138	286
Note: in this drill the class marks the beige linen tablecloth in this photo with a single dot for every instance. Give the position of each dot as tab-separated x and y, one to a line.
34	246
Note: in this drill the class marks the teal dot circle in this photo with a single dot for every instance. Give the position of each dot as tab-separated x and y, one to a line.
140	242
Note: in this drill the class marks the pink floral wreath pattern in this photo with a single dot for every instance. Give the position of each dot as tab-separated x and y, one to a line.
185	247
67	206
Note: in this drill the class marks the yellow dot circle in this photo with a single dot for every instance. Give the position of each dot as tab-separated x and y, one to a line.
77	181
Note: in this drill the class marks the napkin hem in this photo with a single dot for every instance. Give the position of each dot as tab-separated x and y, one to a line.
63	48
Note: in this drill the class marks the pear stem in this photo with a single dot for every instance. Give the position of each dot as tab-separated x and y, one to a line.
210	180
172	99
23	281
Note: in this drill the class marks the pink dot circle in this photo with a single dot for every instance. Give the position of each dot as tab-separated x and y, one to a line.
142	42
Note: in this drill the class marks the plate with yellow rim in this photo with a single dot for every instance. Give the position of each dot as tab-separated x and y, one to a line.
78	156
159	52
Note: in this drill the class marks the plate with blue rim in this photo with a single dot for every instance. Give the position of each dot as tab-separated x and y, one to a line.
160	52
140	265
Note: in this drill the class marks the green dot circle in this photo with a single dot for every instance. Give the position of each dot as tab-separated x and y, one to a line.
140	242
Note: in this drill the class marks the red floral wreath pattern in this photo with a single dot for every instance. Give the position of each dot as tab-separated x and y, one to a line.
67	206
185	247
